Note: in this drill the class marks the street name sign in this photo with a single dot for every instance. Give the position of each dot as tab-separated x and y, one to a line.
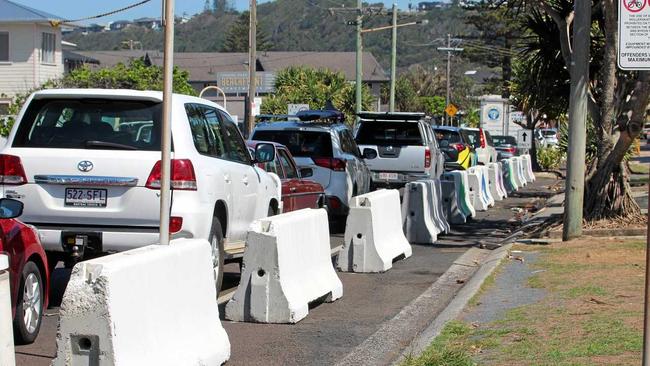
524	139
634	35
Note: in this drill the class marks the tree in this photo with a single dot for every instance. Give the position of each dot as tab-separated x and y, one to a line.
617	105
135	75
314	87
237	36
222	6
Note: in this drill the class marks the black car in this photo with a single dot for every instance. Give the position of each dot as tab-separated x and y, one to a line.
454	146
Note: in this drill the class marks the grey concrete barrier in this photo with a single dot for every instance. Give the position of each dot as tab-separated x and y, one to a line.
435	201
494	174
502	185
475	180
516	172
450	203
373	233
7	355
153	305
286	266
528	168
461	184
417	216
485	185
509	176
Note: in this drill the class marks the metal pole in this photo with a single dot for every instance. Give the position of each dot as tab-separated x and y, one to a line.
646	308
252	64
575	181
165	147
393	61
359	71
448	76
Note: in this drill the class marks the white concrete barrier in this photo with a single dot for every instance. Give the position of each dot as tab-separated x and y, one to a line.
417	216
502	185
153	305
287	265
475	180
485	185
508	176
7	356
373	233
435	201
461	185
516	172
450	202
528	168
495	182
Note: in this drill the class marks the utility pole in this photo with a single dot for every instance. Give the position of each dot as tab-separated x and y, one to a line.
393	61
252	64
359	55
166	143
449	50
575	181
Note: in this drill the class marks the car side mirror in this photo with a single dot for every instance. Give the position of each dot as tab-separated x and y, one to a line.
306	172
10	208
264	153
369	154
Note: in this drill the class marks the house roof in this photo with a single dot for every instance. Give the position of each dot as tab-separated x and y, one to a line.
13	12
203	66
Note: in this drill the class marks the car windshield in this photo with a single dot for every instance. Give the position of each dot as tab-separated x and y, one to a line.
91	124
300	143
389	133
473	137
452	137
504	140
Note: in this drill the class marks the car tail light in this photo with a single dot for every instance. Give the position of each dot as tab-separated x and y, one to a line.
11	170
333	202
427	158
482	137
510	149
337	165
175	224
458	147
182	176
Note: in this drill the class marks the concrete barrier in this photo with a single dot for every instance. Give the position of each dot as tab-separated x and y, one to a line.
461	184
287	265
438	207
417	216
7	355
528	168
450	203
516	172
494	175
373	233
153	305
475	180
508	176
485	185
502	185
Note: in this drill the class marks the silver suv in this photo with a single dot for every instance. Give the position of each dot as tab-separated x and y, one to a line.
320	140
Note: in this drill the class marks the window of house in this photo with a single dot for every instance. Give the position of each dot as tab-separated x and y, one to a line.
4	47
47	48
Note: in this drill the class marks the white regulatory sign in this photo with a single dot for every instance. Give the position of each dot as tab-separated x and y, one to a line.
524	139
292	109
634	34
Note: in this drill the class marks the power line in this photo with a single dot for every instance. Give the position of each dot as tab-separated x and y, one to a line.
57	22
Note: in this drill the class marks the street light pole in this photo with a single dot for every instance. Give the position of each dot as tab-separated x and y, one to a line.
359	71
393	61
166	140
252	64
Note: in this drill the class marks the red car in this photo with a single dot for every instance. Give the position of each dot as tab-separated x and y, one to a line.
29	275
297	192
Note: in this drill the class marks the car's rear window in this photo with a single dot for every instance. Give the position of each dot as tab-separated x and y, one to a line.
300	143
446	135
473	137
91	124
549	132
504	140
389	133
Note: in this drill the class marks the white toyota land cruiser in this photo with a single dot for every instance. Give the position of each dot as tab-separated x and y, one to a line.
85	162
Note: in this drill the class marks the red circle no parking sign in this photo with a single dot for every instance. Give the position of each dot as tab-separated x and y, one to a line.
634	6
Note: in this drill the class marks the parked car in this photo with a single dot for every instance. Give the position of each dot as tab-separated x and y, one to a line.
29	275
645	132
546	137
506	146
481	142
86	163
457	152
321	140
398	148
298	192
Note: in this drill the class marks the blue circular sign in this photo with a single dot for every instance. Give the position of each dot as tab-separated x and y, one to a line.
493	114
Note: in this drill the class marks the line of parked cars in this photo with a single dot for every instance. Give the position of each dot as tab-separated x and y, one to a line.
85	164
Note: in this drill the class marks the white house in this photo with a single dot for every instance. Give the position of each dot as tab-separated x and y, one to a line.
30	49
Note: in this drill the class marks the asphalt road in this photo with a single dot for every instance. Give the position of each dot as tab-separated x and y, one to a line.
331	330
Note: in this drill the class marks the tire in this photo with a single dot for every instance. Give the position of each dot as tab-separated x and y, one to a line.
271	212
29	305
218	253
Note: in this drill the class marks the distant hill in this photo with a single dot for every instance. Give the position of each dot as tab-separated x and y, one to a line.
303	25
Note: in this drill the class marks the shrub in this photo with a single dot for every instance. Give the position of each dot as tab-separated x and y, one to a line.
550	158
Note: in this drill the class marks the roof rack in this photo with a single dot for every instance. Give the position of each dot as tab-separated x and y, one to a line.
275	117
322	116
392	116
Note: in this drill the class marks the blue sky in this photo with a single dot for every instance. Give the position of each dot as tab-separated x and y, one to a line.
75	9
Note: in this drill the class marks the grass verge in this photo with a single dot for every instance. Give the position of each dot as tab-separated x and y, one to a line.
592	314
